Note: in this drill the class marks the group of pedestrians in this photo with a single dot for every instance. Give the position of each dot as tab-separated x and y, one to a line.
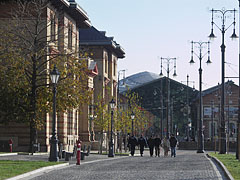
153	143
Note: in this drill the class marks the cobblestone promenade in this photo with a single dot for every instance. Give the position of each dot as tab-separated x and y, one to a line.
188	165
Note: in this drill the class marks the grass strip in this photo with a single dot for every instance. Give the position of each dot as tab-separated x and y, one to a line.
10	168
230	162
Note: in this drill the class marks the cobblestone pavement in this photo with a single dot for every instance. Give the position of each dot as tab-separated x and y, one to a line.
188	165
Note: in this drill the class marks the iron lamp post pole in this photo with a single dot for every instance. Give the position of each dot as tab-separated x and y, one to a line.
54	141
238	121
111	152
90	127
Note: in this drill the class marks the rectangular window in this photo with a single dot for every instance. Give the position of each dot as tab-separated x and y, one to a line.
69	122
53	27
114	67
106	63
208	111
70	34
76	43
212	129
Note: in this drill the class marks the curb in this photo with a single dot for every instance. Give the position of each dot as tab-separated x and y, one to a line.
37	171
9	154
25	153
221	165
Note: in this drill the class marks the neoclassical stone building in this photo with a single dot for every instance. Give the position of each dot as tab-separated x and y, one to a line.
106	52
63	19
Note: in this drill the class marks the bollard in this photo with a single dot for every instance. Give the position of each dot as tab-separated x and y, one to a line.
10	142
78	152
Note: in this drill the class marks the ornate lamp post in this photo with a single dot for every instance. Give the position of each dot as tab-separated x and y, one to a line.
54	75
200	46
111	152
168	61
132	117
189	122
223	15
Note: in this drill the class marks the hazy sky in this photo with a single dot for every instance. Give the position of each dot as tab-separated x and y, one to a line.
148	29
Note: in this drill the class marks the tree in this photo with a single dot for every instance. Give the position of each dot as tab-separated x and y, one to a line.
123	122
103	118
27	54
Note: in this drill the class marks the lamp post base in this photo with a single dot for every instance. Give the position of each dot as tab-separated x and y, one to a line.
200	151
111	152
53	150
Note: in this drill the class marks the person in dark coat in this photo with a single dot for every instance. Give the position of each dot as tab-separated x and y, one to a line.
173	144
157	143
151	145
142	142
132	142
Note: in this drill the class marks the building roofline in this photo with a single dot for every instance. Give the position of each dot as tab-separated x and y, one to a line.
76	12
94	37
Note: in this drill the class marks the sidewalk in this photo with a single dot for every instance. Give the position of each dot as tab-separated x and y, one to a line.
44	157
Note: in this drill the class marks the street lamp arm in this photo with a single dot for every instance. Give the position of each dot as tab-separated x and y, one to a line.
229	26
206	53
171	69
220	29
164	68
196	54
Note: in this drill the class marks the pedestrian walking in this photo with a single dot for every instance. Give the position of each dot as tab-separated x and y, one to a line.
173	143
151	145
132	142
157	143
165	145
142	142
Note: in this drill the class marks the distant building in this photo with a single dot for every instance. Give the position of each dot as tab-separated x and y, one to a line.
153	92
106	52
211	111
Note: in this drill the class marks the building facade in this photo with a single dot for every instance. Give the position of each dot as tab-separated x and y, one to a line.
106	53
211	111
61	22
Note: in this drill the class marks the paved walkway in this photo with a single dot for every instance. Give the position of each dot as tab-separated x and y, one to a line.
45	157
188	165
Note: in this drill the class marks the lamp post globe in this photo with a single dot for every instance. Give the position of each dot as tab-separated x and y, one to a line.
54	75
111	151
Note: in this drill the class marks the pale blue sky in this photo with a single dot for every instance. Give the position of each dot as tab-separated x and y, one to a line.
148	29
